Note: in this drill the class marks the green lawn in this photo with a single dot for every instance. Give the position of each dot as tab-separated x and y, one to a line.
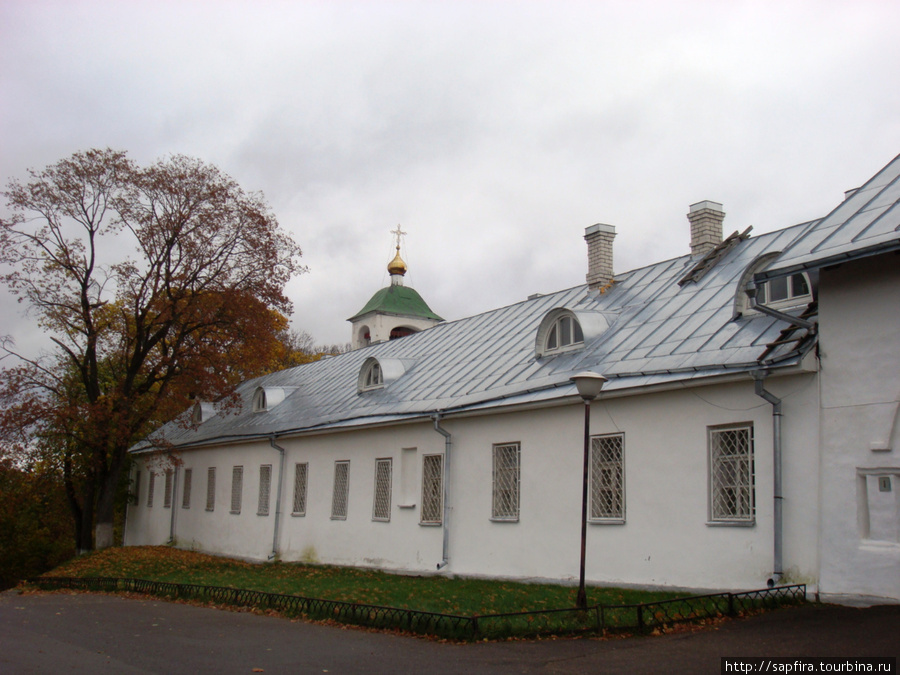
424	593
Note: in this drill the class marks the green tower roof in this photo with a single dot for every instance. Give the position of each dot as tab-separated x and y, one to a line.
399	300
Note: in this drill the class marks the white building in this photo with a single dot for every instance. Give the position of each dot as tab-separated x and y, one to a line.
736	441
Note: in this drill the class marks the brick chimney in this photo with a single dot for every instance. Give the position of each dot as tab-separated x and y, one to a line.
599	240
706	226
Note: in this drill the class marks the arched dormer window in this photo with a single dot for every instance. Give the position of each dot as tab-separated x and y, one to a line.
266	398
781	293
376	373
564	330
202	411
373	378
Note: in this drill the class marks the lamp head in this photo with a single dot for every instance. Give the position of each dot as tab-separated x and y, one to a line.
589	384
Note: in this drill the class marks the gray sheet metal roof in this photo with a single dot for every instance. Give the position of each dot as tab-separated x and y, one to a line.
866	223
659	332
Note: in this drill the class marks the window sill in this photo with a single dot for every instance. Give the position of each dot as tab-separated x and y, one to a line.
505	520
261	514
607	521
381	520
236	513
430	524
406	506
731	523
298	514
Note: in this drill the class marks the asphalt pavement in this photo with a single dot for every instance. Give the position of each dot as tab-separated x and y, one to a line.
93	633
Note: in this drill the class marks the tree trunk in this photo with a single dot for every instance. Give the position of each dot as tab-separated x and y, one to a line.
104	533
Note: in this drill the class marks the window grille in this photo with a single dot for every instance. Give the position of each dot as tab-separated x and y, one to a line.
381	509
432	489
211	488
607	477
186	494
150	487
506	482
237	488
731	474
301	472
341	490
167	491
265	488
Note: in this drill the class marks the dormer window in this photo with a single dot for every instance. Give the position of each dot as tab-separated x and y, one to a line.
780	293
266	398
784	290
374	377
376	373
564	330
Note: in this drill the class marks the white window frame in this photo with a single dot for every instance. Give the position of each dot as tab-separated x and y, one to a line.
237	489
381	502
505	481
301	483
732	480
340	494
265	490
373	377
432	510
211	489
186	490
565	334
606	481
792	298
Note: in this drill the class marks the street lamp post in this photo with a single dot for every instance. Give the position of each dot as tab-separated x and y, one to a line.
589	386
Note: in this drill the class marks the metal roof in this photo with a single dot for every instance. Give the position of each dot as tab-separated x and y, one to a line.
866	223
658	332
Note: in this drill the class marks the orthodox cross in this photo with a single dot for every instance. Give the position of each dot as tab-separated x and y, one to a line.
399	233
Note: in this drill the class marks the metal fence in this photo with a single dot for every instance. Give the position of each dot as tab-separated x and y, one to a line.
594	620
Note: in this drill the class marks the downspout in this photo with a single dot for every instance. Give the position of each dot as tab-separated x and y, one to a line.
759	376
277	497
811	326
172	505
445	520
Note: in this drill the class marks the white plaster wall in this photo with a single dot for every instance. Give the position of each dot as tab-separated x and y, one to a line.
381	325
859	312
665	540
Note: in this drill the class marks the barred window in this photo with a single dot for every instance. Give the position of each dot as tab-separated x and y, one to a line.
381	509
731	480
607	477
186	491
150	487
237	488
506	482
341	490
301	472
211	488
167	492
265	489
432	489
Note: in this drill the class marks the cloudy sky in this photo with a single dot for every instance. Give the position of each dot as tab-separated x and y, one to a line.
493	132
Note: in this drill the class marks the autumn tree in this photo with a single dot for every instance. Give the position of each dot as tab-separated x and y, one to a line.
156	285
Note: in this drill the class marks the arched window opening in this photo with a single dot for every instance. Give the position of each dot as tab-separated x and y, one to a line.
401	331
373	377
565	332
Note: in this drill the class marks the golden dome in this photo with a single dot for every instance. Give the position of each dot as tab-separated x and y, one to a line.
397	266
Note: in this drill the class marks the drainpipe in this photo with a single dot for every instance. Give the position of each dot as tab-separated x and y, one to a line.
759	377
811	326
277	497
172	505
445	520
